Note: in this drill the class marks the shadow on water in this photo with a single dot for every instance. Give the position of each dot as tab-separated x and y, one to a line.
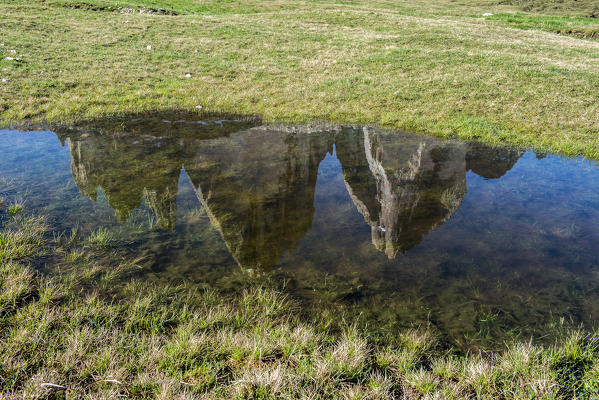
480	242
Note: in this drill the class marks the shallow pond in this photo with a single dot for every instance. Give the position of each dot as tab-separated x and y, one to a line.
481	243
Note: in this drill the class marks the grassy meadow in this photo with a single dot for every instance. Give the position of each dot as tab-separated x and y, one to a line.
94	330
522	72
76	321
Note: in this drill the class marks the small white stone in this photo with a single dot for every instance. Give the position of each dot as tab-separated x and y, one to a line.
113	381
188	75
487	14
199	107
149	47
52	386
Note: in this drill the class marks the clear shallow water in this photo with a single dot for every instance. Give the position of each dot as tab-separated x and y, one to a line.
481	243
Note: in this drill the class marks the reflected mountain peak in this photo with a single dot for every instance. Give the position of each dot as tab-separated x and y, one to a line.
257	184
127	169
258	189
407	186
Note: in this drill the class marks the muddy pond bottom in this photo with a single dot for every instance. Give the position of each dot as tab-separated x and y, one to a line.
481	243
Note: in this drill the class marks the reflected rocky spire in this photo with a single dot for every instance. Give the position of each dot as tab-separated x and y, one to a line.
359	180
127	167
404	187
132	158
257	185
258	188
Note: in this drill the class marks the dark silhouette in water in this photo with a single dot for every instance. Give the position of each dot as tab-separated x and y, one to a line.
258	187
405	185
257	183
126	169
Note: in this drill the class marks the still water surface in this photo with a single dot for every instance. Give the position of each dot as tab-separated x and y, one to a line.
406	230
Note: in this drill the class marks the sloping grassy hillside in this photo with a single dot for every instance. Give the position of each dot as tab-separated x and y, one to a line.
586	8
441	67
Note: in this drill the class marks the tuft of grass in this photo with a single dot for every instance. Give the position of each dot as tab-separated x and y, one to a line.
15	285
16	207
101	238
22	237
346	360
574	360
75	255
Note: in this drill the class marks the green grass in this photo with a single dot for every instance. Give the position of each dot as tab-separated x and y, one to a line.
93	330
21	237
582	27
17	207
520	77
585	8
100	238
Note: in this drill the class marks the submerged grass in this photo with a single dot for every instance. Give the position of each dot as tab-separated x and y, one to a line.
526	75
92	330
16	207
100	238
21	237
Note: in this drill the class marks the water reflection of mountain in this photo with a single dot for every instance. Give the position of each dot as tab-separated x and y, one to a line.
258	189
257	184
132	159
404	188
126	169
406	185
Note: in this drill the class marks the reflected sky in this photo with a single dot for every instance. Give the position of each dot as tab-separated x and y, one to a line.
404	228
